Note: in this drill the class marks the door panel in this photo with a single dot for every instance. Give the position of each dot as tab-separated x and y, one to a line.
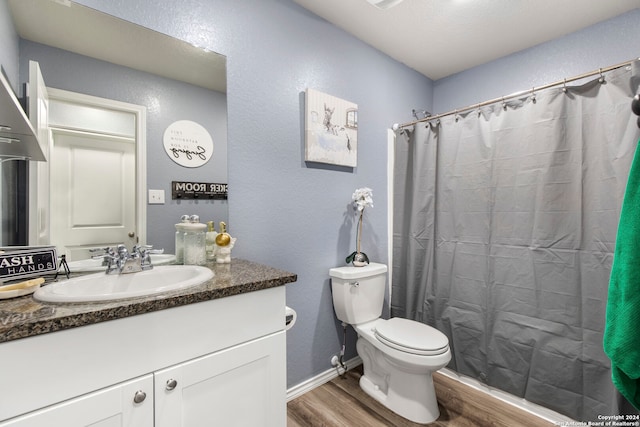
95	167
241	386
101	138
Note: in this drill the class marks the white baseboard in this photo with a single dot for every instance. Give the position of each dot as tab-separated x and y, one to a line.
523	404
318	380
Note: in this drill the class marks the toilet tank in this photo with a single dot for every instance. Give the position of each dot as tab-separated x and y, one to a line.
358	292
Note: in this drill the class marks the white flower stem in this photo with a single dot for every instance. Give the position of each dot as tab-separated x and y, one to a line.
359	231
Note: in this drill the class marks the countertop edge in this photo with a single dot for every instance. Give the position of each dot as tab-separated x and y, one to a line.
37	318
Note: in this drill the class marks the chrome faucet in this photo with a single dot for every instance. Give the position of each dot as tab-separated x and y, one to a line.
120	261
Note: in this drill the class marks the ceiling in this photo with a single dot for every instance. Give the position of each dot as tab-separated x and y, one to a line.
442	37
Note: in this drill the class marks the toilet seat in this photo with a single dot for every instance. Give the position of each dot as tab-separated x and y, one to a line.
411	337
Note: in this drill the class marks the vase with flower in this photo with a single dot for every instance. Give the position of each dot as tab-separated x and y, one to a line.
362	198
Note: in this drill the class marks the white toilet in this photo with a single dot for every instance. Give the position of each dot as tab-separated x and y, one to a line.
398	354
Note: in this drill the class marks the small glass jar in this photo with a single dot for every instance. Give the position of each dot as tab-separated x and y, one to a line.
195	242
180	228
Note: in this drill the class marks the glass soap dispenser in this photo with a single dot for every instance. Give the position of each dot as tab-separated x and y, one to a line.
194	241
180	227
211	241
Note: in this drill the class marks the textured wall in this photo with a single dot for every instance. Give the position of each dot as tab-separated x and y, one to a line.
287	213
607	43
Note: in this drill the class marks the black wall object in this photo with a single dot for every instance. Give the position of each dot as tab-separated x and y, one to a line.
635	107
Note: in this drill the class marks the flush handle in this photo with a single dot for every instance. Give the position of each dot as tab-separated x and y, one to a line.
171	384
354	284
140	396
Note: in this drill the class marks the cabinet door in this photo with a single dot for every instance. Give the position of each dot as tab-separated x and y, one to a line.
241	386
110	407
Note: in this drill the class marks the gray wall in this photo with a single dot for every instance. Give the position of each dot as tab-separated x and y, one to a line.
286	213
166	101
608	43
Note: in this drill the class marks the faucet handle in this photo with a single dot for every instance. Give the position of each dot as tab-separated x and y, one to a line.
101	252
136	251
139	248
122	252
145	251
154	251
109	258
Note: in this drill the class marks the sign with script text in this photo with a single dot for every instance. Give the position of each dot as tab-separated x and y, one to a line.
27	262
198	190
188	144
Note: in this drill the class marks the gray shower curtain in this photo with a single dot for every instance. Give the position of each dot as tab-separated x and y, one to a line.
504	229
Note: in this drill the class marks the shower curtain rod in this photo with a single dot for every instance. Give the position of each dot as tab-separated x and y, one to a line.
533	90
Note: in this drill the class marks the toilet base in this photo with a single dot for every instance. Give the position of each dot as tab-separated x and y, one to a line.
423	412
406	392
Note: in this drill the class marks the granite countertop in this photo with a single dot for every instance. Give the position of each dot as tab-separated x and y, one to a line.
24	316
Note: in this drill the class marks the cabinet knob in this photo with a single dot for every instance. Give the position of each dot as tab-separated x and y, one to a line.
171	384
140	396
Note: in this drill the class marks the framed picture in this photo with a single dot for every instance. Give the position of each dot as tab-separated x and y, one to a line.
331	129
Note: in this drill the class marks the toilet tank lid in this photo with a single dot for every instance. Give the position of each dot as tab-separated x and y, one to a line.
349	272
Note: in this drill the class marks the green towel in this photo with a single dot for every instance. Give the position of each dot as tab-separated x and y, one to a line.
622	329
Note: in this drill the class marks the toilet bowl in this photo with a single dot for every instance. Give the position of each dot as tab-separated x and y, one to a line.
398	355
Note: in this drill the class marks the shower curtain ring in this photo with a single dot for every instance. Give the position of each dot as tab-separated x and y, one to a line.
504	104
601	79
533	94
564	86
479	112
455	115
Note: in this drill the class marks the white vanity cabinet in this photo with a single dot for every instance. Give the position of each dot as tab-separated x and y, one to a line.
218	362
122	405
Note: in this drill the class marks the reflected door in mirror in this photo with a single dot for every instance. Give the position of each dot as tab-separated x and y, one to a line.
93	177
92	192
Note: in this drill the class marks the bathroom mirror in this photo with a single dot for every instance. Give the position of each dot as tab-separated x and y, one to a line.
87	52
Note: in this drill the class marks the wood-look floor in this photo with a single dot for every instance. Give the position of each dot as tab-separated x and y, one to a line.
342	403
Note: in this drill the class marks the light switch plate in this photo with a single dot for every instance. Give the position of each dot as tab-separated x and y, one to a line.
156	197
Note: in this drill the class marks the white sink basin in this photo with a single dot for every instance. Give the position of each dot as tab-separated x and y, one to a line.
87	265
106	287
